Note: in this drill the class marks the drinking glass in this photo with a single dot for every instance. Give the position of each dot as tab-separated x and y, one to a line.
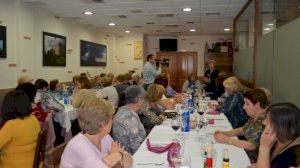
180	160
175	124
199	125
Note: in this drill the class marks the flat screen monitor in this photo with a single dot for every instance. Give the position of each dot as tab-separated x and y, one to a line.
168	44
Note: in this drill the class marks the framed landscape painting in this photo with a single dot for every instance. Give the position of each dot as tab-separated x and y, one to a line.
2	41
54	50
92	54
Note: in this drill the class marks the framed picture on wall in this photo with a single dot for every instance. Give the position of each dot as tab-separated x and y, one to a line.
54	50
92	54
2	41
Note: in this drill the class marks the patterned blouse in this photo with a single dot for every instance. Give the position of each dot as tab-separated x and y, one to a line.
252	132
149	116
232	107
48	101
128	129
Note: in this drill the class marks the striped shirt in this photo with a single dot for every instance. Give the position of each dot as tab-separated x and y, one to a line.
150	73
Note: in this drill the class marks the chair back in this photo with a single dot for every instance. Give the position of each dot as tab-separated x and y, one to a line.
122	100
40	148
54	155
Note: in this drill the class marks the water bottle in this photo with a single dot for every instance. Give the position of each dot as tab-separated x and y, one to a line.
66	98
185	120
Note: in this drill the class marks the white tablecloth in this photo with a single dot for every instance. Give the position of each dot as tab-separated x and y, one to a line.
164	134
64	118
70	113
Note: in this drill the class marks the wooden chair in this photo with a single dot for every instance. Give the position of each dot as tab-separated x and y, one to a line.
54	155
122	101
40	148
3	92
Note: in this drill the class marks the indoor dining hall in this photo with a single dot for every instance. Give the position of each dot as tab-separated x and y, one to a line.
149	84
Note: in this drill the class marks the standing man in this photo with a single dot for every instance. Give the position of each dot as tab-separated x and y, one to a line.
150	72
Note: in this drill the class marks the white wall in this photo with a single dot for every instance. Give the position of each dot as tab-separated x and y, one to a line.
188	43
124	57
24	20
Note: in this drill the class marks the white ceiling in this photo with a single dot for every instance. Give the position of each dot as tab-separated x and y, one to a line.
109	10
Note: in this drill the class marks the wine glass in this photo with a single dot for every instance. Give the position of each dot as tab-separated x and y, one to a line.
202	108
205	121
199	125
175	124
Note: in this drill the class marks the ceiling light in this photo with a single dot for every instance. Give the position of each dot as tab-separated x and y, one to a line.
127	31
187	9
227	29
192	30
271	24
111	24
267	29
88	13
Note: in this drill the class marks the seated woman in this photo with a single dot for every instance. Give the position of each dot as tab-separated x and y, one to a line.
152	112
127	127
19	131
137	79
255	105
191	84
24	79
47	100
97	82
109	92
94	147
280	140
82	91
121	84
169	91
232	106
56	88
37	109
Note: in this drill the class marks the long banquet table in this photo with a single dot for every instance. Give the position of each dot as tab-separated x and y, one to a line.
163	134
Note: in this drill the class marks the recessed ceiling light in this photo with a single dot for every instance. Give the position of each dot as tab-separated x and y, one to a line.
227	29
111	24
267	29
187	9
192	30
88	13
271	24
127	31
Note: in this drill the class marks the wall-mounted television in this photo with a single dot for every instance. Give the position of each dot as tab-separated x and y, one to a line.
168	44
2	41
92	54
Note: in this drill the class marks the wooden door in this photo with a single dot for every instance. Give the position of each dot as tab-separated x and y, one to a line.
186	64
181	64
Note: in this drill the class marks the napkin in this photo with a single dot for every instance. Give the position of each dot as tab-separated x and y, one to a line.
171	148
211	121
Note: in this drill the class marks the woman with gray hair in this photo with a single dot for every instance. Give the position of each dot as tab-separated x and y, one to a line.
127	127
94	147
